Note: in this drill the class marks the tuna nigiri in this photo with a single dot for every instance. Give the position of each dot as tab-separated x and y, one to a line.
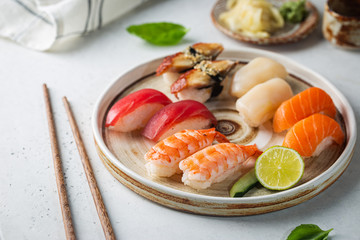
312	100
163	158
255	72
186	114
260	103
134	111
215	163
310	136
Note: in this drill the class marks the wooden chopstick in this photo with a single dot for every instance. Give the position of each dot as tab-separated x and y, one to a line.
99	204
64	202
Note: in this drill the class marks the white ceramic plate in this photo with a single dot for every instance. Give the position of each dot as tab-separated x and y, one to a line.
122	153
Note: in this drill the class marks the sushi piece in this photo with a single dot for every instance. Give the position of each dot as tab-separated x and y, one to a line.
193	84
134	111
215	163
260	103
177	62
187	59
202	82
177	116
255	72
163	158
310	136
312	100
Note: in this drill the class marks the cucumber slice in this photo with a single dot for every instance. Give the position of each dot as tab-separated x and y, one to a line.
244	184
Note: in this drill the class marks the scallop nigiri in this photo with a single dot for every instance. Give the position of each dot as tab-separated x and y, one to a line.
134	111
255	72
163	158
310	136
177	116
260	103
312	100
215	163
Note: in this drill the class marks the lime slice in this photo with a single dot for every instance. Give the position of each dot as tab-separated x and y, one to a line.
279	168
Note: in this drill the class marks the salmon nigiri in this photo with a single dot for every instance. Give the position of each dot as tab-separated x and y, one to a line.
310	136
215	163
163	158
312	100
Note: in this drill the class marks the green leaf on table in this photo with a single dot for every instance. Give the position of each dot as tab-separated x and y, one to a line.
160	33
308	232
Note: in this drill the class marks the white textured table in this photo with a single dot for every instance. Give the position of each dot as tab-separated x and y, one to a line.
29	205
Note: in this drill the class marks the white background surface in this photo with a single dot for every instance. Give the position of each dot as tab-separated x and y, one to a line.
29	206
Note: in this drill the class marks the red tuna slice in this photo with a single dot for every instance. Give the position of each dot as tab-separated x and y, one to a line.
134	111
186	114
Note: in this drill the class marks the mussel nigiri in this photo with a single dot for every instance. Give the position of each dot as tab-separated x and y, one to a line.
260	103
310	101
177	116
310	136
163	158
134	111
255	72
215	163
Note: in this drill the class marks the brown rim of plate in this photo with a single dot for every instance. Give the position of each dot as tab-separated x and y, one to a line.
303	30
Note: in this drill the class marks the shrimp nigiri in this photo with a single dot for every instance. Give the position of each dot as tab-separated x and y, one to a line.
163	158
312	100
215	163
310	136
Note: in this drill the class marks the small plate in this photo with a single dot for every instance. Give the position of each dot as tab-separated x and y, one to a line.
123	153
290	33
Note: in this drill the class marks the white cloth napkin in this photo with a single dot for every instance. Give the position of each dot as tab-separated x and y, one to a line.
38	24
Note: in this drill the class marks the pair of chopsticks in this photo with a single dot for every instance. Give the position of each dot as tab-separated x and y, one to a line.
64	203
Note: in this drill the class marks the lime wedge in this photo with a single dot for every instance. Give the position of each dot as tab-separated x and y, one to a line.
279	168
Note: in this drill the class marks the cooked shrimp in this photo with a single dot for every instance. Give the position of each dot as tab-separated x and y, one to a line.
215	163
163	158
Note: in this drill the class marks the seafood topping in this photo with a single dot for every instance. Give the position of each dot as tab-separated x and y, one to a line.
217	162
177	116
257	71
217	70
310	101
260	103
203	51
310	136
202	82
163	158
134	111
187	59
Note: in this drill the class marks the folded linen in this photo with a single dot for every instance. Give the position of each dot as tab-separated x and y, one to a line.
39	24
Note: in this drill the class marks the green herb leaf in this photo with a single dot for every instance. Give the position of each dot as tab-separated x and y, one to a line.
308	232
161	33
294	12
